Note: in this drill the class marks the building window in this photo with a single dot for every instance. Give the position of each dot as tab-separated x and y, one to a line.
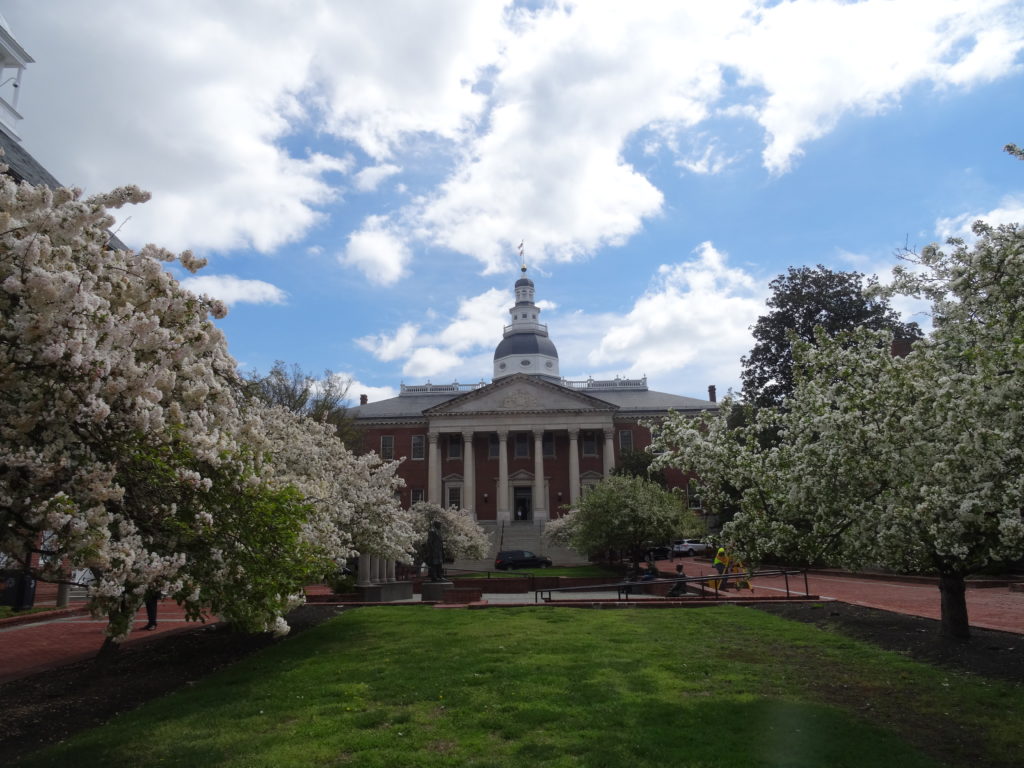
418	447
625	441
454	446
587	486
387	447
493	448
522	445
549	445
589	440
416	495
454	496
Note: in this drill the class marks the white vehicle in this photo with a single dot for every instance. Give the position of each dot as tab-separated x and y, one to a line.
689	547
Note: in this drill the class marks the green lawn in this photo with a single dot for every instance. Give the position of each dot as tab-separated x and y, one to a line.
723	686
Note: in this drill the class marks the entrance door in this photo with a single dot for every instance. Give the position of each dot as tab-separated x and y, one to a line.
522	503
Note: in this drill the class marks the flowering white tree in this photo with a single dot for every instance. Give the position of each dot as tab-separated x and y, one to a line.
460	533
915	463
125	437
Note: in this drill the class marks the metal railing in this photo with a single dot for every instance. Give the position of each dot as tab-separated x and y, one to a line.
626	587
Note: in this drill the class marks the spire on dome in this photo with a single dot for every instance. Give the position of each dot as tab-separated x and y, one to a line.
525	346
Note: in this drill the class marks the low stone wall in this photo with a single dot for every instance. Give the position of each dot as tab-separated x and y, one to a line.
462	595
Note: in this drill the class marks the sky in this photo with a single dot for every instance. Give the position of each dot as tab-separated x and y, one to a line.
360	175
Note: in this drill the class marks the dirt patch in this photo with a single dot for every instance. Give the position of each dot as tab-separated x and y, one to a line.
49	706
988	652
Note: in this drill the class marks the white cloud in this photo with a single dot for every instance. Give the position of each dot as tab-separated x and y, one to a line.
818	61
693	323
430	361
478	322
373	394
461	348
1009	211
577	82
377	251
698	312
536	107
368	179
235	290
194	106
388	348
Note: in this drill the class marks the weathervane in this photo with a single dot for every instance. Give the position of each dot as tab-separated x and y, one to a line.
522	255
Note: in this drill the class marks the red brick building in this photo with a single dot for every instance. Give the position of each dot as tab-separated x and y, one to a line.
522	448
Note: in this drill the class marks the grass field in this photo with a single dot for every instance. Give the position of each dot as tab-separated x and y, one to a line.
723	686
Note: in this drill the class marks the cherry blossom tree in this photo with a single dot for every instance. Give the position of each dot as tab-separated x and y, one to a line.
461	535
914	464
128	446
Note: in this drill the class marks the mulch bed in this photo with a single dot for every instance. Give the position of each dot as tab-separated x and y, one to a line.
988	652
50	706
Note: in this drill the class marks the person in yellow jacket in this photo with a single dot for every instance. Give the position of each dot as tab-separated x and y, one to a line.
721	565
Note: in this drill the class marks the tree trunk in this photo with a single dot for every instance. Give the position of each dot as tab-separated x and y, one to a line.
954	606
107	651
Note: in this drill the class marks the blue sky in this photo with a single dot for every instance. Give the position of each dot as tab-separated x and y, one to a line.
359	175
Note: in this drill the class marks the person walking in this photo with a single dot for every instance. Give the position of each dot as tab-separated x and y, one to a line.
152	599
721	565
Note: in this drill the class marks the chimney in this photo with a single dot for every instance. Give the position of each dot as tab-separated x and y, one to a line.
711	393
363	399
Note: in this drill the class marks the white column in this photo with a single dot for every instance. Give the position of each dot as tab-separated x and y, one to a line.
503	475
433	469
609	452
363	579
468	473
382	570
389	572
540	504
574	466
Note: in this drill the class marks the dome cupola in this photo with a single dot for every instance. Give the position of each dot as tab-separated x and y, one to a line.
525	346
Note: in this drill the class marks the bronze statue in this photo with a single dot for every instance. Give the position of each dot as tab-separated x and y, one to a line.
435	552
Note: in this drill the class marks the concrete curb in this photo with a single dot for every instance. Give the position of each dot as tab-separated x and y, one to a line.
41	616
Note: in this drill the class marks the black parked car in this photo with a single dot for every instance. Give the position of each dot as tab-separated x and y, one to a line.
520	558
658	553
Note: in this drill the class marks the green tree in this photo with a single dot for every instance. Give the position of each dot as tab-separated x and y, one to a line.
324	400
625	513
638	464
802	300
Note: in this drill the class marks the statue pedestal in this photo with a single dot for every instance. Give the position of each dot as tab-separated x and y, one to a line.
390	592
433	591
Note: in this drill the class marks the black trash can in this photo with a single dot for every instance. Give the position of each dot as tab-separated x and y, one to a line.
17	590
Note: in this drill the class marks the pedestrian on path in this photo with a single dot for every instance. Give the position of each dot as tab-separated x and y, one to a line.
679	588
721	565
152	599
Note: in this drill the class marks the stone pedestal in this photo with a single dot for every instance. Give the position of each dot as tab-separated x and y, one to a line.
388	592
433	591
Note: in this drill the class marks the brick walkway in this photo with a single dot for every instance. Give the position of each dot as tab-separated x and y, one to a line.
29	648
988	608
48	643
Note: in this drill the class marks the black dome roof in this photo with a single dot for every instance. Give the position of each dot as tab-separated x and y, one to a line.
525	344
523	281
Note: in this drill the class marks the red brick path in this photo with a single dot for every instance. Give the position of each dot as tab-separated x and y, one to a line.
28	648
989	608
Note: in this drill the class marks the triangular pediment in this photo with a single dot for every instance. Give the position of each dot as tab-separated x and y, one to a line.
521	393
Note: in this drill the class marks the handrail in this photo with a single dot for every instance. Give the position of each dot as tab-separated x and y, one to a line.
626	587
